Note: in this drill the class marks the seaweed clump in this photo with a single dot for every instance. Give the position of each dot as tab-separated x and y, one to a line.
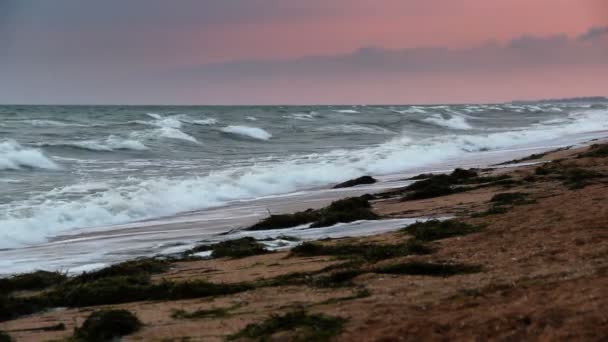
369	252
4	337
357	181
301	325
107	325
438	185
37	280
137	267
572	177
436	230
341	211
237	248
595	151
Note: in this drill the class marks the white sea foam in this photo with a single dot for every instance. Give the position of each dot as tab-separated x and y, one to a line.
14	157
163	132
154	116
176	121
453	122
30	222
355	129
53	123
251	118
248	131
111	143
411	110
302	116
195	121
346	111
204	122
168	122
174	133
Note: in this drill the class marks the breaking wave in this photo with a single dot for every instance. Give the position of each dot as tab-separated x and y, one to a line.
53	123
453	122
112	143
139	199
355	129
248	131
13	156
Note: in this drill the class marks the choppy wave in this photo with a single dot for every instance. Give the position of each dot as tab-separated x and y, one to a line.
164	132
347	111
169	127
112	143
204	122
164	122
53	123
411	110
13	156
147	198
302	116
248	131
355	129
176	121
453	122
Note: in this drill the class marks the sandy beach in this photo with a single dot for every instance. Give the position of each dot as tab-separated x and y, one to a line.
534	268
306	171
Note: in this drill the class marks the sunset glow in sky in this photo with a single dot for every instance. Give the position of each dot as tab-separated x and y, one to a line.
300	52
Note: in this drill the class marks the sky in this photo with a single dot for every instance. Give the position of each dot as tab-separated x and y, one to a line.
238	52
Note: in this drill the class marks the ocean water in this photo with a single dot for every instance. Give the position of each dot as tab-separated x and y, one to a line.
68	168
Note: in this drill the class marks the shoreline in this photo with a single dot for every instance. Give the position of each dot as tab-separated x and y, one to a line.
541	258
87	248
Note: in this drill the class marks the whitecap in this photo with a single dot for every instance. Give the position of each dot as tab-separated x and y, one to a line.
354	129
301	116
204	122
453	122
410	110
13	156
248	131
173	133
162	122
53	123
111	143
346	111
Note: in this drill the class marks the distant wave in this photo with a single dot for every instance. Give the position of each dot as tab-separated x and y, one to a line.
410	110
173	133
112	143
13	156
53	123
163	132
204	122
354	129
195	121
302	116
346	111
175	121
169	127
248	131
170	122
453	122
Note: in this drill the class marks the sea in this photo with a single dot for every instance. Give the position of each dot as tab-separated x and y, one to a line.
84	186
